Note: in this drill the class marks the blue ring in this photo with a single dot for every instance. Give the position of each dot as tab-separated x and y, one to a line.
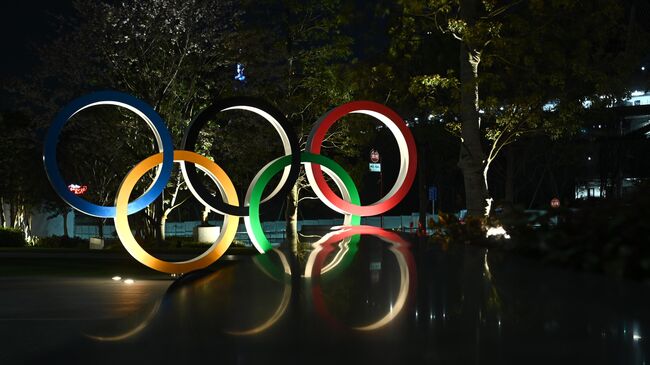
155	122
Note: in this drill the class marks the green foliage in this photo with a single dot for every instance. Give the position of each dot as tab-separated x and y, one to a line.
515	57
449	229
530	53
22	181
11	237
172	55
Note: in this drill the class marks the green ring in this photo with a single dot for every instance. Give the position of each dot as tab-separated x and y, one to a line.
275	167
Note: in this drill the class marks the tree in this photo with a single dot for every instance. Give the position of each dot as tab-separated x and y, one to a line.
524	56
299	56
172	55
21	184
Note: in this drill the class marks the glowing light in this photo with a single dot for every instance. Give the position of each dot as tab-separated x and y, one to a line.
116	278
497	231
78	189
637	93
636	337
239	76
129	281
550	106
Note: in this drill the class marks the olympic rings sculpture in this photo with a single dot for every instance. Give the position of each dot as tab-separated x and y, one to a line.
229	204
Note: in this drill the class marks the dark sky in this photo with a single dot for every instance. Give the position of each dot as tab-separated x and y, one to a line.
24	24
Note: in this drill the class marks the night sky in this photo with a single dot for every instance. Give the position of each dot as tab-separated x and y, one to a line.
24	25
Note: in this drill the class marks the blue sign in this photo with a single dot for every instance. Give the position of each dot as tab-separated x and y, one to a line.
375	167
433	193
240	73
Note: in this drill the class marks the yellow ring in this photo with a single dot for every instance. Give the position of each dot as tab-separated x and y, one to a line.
213	253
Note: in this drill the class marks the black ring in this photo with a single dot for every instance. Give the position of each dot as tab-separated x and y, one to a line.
209	113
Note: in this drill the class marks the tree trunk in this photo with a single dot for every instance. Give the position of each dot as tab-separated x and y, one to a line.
161	228
12	214
472	158
422	191
204	216
291	216
510	175
23	221
100	227
3	222
65	222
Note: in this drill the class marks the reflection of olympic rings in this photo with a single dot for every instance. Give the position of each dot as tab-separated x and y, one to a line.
341	243
315	165
399	248
286	293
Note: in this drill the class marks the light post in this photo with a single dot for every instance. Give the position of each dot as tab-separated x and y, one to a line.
375	166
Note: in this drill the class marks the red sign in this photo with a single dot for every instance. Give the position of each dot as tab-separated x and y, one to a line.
77	189
374	156
555	203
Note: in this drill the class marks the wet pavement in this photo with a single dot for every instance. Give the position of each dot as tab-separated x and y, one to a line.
370	299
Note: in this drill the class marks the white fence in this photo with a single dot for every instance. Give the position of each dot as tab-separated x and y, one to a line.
275	230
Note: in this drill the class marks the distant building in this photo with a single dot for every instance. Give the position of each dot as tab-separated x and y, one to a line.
616	160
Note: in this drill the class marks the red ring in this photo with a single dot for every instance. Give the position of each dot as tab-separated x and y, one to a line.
315	147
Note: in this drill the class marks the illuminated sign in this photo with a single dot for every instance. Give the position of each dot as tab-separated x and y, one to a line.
78	189
374	156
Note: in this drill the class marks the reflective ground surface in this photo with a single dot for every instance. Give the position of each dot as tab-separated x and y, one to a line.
365	300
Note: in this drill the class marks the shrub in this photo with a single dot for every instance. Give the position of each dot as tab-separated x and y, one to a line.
62	242
11	237
450	229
